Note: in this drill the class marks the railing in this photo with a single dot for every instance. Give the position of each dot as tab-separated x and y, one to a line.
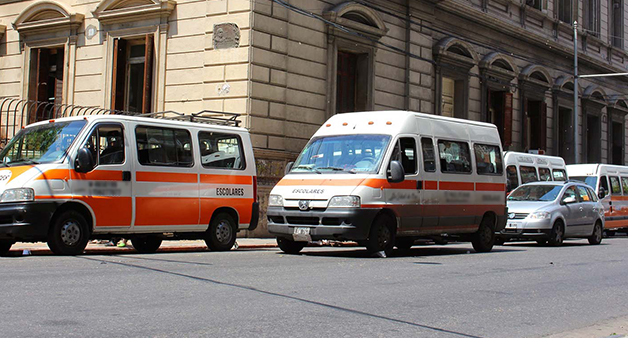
16	114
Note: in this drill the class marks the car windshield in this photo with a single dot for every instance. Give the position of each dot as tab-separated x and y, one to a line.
45	143
535	193
342	154
589	180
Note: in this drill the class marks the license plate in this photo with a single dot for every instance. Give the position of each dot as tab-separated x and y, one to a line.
301	235
511	225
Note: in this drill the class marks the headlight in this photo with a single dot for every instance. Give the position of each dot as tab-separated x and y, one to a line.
275	201
345	202
540	215
18	195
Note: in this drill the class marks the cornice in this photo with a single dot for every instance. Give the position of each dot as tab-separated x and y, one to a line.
158	9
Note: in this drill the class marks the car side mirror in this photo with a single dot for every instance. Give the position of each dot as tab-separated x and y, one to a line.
288	168
602	193
396	172
569	200
84	161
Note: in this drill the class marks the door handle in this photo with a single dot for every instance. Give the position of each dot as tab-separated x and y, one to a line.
126	176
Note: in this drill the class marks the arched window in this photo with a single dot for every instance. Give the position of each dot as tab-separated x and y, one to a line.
498	71
454	58
593	104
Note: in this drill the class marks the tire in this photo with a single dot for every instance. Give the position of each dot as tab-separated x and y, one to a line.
289	246
146	244
221	234
596	236
5	246
381	236
69	234
541	241
557	234
403	243
484	239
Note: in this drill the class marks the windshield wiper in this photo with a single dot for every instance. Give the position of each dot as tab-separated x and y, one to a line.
336	169
310	168
22	161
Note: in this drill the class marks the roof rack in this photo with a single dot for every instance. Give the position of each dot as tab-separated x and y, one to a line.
204	116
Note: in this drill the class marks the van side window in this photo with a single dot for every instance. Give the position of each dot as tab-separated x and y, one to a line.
528	174
604	184
559	175
221	151
624	184
488	159
454	157
615	186
408	155
106	143
164	146
429	160
512	180
544	174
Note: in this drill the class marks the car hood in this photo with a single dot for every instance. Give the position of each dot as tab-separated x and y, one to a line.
526	206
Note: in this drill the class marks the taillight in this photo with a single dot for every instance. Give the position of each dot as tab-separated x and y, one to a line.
255	188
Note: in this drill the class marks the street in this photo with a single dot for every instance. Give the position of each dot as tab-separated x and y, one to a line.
518	290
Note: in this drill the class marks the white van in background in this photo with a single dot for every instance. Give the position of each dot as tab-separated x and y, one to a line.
524	168
387	178
611	184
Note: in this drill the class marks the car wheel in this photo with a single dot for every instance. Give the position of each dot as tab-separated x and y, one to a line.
5	246
289	246
596	236
381	235
69	234
557	234
404	244
484	239
221	234
146	244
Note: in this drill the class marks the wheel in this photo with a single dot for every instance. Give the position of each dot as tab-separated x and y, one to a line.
146	244
596	236
484	239
289	246
381	235
404	243
221	234
557	234
5	246
541	241
69	234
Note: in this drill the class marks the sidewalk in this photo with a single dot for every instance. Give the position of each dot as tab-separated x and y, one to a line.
612	328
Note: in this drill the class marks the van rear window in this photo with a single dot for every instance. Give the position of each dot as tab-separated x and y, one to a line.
544	174
454	157
220	151
559	175
488	159
615	186
164	146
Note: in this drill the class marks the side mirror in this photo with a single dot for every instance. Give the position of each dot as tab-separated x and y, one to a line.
84	161
288	168
569	200
396	172
602	193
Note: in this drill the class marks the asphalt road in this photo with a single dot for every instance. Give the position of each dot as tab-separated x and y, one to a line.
518	290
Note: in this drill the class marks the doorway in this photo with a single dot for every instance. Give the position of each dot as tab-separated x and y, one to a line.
594	139
565	134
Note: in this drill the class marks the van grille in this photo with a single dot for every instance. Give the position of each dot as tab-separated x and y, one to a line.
303	220
276	219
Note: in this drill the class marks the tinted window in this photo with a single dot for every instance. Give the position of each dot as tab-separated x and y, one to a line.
592	194
589	180
544	174
570	192
454	157
223	151
615	186
164	147
405	153
488	159
528	174
604	184
559	175
106	143
512	178
429	159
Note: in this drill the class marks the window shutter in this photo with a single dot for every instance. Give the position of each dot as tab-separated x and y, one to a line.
507	119
148	72
119	69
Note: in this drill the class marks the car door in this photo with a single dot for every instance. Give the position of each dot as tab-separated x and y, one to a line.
406	196
585	225
571	210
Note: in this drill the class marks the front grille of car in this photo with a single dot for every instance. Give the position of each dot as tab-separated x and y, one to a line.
520	215
276	219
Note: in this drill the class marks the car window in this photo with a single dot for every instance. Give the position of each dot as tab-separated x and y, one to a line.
615	186
569	192
544	174
488	159
624	184
429	159
528	174
454	157
604	184
582	193
592	195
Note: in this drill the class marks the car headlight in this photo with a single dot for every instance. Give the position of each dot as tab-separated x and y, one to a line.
18	195
540	215
345	202
275	201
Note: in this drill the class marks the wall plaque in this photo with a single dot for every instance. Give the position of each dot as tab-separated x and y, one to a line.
226	35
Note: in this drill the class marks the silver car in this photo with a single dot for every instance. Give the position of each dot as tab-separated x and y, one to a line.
552	211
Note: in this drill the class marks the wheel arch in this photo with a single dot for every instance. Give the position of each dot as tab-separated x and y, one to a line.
231	212
78	207
492	216
388	213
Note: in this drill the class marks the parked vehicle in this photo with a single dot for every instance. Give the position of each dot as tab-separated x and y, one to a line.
68	180
385	179
611	183
552	211
524	168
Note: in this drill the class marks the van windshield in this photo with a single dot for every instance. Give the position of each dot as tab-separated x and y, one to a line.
535	193
342	153
589	180
45	143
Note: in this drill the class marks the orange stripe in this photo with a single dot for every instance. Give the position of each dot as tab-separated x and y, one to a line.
110	211
244	206
430	185
17	171
619	198
146	176
380	183
96	175
322	182
166	211
466	186
615	224
490	187
226	179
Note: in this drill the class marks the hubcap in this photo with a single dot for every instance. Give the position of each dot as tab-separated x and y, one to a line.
223	232
598	232
70	233
384	237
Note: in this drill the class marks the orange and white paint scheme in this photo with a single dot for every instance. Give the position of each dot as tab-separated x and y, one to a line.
523	168
611	184
68	180
388	178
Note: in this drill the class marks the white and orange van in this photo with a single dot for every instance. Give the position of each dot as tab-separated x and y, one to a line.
68	180
611	184
388	178
524	168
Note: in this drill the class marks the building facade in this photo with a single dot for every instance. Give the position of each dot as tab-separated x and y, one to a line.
288	65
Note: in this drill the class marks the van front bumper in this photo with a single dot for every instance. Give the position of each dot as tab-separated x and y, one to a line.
26	221
336	224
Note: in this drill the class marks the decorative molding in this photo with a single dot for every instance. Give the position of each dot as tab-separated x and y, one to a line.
116	11
376	29
528	71
489	69
46	17
443	54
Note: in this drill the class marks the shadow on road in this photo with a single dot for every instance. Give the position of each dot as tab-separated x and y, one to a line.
360	252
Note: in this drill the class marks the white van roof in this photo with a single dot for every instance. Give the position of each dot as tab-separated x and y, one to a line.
395	122
513	157
591	169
